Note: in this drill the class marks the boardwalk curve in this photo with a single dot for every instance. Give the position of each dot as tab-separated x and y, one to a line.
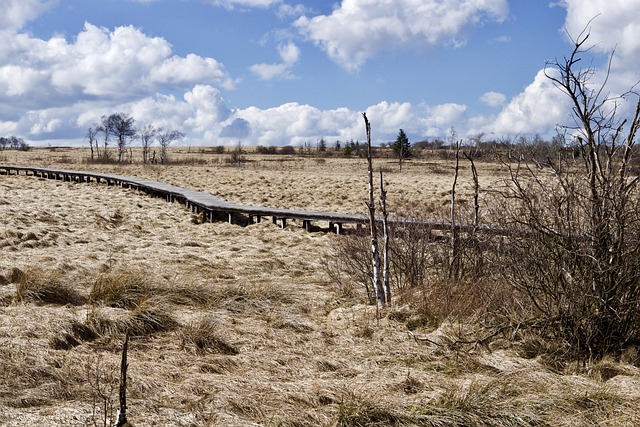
212	208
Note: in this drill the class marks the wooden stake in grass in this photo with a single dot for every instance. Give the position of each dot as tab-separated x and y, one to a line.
377	284
121	418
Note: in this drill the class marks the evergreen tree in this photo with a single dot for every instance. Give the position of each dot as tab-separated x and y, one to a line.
401	147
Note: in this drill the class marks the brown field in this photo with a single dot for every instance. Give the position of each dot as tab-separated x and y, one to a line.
241	326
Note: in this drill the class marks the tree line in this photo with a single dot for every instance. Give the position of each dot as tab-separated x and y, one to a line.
119	129
13	143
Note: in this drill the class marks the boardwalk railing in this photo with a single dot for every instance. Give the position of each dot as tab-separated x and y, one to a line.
214	209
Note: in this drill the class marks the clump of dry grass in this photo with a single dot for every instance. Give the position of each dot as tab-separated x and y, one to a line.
46	287
259	297
71	334
356	409
121	289
150	317
204	336
130	288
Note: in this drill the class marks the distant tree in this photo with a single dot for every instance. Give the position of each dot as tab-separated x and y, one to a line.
165	138
14	143
322	145
92	137
121	126
105	128
401	147
146	135
337	146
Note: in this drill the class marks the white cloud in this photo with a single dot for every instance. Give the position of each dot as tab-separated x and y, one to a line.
541	106
289	53
121	64
232	4
15	13
611	24
493	99
357	29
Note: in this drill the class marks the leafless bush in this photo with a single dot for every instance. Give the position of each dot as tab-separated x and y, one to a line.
576	258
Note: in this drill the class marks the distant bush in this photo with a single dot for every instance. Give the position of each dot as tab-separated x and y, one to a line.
287	150
266	150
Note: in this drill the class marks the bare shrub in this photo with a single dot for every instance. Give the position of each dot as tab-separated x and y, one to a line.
576	259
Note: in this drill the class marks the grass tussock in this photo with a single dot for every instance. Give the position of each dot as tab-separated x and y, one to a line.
129	289
122	289
355	409
71	334
151	317
258	297
47	287
205	336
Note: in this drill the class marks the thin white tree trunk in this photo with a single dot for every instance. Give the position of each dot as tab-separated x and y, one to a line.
377	284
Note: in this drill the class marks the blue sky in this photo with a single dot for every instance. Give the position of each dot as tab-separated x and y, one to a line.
278	72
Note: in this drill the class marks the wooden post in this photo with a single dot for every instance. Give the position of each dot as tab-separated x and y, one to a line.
121	419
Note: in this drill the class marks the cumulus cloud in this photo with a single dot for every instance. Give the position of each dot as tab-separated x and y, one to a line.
238	128
358	29
119	64
612	24
541	106
493	99
15	13
289	53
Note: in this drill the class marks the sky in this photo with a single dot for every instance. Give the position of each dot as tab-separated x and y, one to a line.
289	72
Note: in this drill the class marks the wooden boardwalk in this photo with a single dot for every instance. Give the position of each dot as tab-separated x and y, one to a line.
212	209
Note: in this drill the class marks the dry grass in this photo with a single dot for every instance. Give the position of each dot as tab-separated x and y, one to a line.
241	326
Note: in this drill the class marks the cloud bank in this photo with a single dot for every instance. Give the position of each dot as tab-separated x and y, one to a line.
52	90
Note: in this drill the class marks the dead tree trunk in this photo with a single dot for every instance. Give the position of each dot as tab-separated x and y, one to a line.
385	247
377	284
454	266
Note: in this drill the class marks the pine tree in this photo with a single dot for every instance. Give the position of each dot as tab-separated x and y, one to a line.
401	147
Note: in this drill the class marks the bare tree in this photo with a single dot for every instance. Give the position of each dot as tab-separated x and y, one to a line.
377	284
146	135
385	247
165	138
454	265
121	126
92	137
105	128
